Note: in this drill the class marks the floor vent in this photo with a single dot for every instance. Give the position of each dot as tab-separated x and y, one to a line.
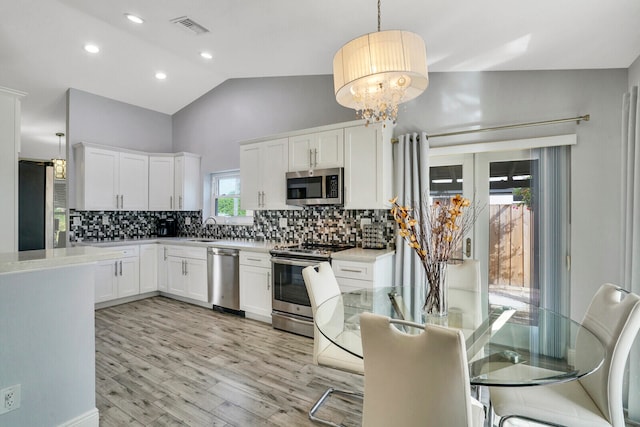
189	24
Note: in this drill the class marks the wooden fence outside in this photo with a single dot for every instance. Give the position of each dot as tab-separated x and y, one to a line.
510	245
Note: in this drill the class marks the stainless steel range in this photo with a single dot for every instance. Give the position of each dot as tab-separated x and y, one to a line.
291	306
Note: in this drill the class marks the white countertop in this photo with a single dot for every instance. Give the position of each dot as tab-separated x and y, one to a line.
11	262
363	255
355	254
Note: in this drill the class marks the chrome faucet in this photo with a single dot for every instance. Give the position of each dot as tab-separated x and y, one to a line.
206	221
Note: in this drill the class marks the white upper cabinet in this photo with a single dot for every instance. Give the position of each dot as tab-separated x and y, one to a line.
187	182
161	197
113	179
316	150
368	174
110	180
263	166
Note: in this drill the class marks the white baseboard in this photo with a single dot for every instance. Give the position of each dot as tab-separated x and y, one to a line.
88	419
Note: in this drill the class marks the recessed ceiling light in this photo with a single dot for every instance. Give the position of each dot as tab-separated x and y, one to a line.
206	55
160	75
91	48
134	18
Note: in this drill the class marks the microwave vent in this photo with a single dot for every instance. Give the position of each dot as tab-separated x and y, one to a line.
189	24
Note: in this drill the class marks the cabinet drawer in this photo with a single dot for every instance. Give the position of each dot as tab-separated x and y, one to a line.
256	259
187	252
127	251
352	269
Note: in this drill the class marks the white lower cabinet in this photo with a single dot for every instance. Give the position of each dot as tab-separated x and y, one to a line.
118	278
163	267
255	285
187	272
352	275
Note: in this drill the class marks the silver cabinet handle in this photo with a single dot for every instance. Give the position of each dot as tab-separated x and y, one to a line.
310	157
121	201
268	280
350	270
253	259
165	253
315	157
263	199
186	267
115	264
121	268
117	201
170	202
179	202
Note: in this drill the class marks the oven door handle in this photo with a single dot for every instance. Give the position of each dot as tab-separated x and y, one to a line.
296	262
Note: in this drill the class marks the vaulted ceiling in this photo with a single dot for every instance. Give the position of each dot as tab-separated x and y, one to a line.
41	43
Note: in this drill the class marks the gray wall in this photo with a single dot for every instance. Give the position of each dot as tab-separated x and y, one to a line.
100	120
247	108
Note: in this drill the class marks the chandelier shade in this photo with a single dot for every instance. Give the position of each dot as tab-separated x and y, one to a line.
59	164
377	71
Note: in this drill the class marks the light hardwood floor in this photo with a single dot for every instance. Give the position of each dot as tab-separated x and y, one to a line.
163	362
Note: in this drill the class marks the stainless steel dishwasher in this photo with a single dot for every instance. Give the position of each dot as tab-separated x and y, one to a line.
223	278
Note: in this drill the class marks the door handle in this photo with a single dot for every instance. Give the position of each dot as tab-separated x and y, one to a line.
310	157
268	280
170	202
315	157
179	202
121	268
186	267
121	201
468	247
115	264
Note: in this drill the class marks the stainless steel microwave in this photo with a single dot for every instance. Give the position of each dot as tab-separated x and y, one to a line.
315	187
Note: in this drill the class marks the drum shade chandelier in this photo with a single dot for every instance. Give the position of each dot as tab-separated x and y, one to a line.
377	71
59	164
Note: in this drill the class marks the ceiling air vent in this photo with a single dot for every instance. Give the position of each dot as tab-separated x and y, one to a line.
189	24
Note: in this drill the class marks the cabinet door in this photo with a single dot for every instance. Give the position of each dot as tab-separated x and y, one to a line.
274	166
187	183
161	183
148	268
255	290
163	263
368	168
134	182
105	280
100	179
250	176
176	282
196	276
301	152
328	150
128	277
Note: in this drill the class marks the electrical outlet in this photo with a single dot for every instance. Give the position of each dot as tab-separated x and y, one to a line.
187	220
105	220
282	222
365	221
9	398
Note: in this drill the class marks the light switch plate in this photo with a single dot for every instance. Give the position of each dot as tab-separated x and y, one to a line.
282	222
105	220
187	220
365	221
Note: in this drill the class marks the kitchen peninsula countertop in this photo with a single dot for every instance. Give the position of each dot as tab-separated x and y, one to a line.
363	255
11	262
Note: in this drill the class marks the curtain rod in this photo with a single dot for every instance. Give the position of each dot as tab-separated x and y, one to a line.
578	119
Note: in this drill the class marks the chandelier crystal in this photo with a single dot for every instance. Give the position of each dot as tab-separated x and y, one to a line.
376	72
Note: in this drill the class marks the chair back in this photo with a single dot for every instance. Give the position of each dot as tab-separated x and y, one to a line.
614	317
322	285
414	380
465	276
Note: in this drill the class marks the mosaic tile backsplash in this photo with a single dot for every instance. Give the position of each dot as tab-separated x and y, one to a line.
321	225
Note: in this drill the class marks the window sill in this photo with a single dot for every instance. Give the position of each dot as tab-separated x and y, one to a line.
234	220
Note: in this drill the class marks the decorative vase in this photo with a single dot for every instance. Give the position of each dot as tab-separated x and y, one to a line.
435	304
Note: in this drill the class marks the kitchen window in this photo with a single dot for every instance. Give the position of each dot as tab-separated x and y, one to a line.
225	199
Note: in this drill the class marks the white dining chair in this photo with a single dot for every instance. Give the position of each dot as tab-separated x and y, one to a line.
321	286
465	275
415	380
596	399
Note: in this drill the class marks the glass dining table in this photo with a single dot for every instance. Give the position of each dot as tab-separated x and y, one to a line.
508	344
